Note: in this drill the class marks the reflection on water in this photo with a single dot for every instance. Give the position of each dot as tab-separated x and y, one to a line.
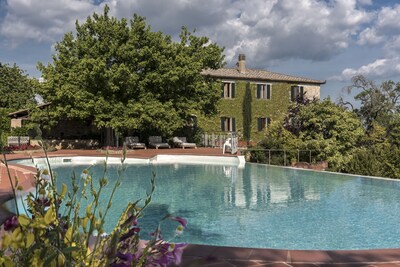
263	206
249	190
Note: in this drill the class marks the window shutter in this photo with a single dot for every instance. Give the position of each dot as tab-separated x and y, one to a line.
258	90
301	91
268	121
233	90
223	124
259	124
293	93
222	90
233	125
268	91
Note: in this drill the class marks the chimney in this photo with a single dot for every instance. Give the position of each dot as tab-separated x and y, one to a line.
242	63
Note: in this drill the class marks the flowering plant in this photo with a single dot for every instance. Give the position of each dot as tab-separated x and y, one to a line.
42	236
9	149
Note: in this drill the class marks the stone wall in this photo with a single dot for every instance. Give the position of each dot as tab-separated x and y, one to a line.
312	91
16	123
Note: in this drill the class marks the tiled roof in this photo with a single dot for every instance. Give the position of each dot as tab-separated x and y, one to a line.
260	75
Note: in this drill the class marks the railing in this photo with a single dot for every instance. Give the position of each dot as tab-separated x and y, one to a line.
229	140
17	140
214	140
284	157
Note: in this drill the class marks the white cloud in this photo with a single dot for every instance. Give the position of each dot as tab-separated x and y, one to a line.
42	20
383	28
370	36
278	30
265	30
380	68
383	31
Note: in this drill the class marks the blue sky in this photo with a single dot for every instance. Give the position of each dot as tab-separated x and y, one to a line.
330	40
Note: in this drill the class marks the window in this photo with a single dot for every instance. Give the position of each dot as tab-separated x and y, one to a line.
228	90
263	91
228	124
263	123
297	92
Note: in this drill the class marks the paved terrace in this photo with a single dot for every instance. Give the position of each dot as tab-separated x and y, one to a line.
212	256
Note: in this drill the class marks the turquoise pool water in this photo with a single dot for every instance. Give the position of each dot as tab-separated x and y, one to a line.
262	206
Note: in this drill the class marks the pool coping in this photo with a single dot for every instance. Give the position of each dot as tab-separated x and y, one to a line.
206	255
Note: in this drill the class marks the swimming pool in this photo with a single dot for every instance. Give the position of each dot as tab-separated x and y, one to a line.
262	206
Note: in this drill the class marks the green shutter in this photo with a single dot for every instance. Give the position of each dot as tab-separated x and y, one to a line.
259	124
233	90
223	124
233	125
293	94
268	91
268	121
222	90
258	90
301	92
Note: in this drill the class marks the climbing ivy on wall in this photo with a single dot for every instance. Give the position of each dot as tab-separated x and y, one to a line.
247	116
272	108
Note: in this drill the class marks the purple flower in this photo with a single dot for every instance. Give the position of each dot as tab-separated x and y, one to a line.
11	223
132	220
125	257
130	233
43	201
120	264
125	260
157	234
171	254
181	220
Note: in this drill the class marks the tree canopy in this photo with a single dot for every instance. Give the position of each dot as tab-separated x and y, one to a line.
323	127
377	103
122	75
16	89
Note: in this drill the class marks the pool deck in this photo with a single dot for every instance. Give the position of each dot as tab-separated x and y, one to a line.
213	256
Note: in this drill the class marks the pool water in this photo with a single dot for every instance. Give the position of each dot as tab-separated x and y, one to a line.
260	206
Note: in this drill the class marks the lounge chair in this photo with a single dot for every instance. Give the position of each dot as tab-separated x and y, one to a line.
156	142
133	142
227	145
181	142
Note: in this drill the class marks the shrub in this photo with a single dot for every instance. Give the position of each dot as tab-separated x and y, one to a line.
8	149
47	238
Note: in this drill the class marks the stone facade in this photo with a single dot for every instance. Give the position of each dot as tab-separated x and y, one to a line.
267	93
312	91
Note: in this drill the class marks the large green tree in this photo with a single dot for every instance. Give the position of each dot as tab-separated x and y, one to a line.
16	89
122	75
327	129
378	103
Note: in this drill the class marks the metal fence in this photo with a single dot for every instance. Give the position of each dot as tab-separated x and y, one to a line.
282	157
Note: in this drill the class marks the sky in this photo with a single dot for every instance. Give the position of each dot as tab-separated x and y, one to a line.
330	40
